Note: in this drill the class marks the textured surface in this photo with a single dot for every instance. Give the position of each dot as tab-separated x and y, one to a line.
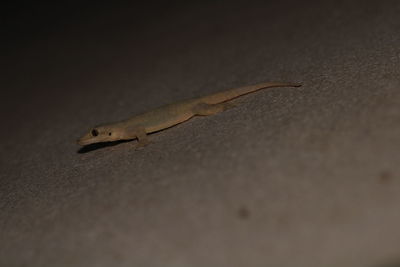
304	176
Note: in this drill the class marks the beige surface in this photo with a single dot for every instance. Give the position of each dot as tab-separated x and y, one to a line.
291	177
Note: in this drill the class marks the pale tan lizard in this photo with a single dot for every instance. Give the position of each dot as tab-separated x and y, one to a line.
167	116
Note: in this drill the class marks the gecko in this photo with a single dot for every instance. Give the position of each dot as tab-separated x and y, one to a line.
139	126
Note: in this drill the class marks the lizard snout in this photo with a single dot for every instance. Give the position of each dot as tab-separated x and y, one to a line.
84	140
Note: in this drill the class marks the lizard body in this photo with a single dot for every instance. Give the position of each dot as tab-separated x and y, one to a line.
167	116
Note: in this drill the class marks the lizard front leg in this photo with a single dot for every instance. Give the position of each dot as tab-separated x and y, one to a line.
141	135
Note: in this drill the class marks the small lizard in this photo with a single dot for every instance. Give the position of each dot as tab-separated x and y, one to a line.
167	116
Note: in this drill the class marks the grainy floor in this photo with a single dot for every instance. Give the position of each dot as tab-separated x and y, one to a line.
304	176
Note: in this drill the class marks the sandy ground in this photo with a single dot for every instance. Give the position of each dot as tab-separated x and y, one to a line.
304	176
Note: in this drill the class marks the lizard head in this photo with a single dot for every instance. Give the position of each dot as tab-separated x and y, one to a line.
101	134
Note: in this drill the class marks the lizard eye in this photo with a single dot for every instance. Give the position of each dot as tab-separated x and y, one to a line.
95	132
109	133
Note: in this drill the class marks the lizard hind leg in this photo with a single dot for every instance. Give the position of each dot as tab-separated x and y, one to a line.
204	109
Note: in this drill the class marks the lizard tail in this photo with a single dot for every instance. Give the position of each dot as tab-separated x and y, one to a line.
233	93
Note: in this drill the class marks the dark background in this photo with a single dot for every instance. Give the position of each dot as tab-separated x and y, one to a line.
290	177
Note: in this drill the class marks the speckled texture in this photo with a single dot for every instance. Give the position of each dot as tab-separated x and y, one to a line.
304	176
